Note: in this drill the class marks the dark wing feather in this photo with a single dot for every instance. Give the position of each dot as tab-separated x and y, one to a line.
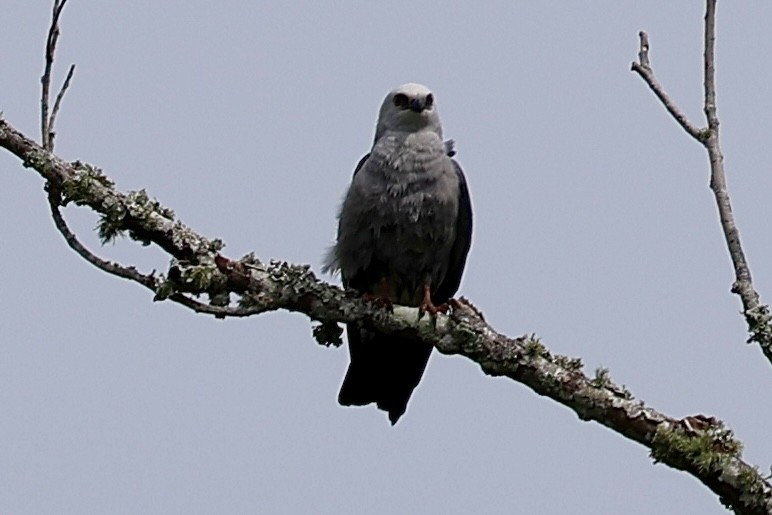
357	281
449	286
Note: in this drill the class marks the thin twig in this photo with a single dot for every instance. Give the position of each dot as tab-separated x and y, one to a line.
756	314
643	51
643	68
217	311
709	64
48	116
115	269
57	105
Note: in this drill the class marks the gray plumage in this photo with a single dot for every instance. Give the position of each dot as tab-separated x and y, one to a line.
404	231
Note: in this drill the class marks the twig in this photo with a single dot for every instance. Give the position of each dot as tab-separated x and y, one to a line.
217	311
643	68
48	116
756	314
643	52
115	269
57	105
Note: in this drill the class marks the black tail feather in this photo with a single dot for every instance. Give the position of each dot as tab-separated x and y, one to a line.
384	369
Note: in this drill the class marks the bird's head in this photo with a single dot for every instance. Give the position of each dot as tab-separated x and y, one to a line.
408	108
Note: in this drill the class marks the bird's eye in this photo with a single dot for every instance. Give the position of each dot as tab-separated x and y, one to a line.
400	100
429	100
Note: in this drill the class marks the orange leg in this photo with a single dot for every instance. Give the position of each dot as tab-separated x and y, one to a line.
427	306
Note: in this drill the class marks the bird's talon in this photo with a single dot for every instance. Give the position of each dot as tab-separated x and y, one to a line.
378	301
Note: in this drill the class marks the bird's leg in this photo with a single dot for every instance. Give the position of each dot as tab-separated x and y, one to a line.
382	295
427	306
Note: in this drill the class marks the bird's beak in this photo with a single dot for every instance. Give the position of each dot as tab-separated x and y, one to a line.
416	105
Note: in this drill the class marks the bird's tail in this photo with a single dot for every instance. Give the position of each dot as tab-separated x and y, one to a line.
384	369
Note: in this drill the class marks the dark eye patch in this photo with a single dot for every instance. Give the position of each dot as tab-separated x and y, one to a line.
429	100
401	100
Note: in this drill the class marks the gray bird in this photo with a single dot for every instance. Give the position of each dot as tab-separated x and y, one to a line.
405	227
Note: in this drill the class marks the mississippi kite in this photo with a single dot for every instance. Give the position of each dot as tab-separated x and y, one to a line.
405	227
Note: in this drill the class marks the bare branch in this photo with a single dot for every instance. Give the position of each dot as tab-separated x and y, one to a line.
709	64
115	269
643	68
48	116
757	315
57	105
700	445
643	51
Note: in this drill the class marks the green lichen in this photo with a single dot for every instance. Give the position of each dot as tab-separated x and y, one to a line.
164	290
80	186
602	378
140	206
760	326
110	224
216	245
248	259
198	277
246	301
85	187
37	159
706	451
221	299
284	272
534	347
624	392
328	334
569	363
751	481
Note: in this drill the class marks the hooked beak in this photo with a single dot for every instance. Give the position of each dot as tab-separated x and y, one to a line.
416	105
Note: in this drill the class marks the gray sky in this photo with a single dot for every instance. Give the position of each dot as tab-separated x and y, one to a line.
595	229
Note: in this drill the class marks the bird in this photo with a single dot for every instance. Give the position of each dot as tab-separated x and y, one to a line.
404	232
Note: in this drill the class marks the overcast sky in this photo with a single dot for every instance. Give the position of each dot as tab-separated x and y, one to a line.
595	229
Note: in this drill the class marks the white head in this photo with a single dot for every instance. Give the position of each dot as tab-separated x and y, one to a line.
408	108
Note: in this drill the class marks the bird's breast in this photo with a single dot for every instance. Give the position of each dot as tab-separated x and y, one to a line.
412	190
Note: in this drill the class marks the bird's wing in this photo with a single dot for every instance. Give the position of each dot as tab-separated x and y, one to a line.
360	164
331	261
360	281
457	257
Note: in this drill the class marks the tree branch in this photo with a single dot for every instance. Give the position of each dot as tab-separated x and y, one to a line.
757	315
643	68
700	445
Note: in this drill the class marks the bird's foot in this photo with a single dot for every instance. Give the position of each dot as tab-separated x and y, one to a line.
379	301
427	306
381	296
